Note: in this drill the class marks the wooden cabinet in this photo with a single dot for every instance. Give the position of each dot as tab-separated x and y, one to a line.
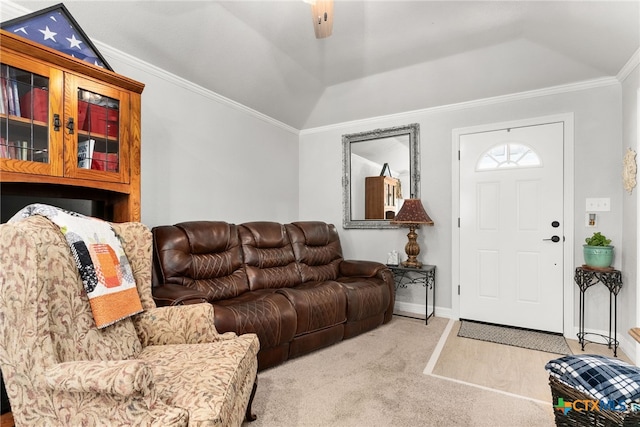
380	197
68	129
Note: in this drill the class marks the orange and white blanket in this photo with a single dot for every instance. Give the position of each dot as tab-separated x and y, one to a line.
102	263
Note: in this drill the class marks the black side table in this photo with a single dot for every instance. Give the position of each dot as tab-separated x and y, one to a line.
586	277
426	276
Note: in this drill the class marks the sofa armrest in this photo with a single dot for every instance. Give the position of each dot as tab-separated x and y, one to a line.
351	268
115	377
182	324
371	269
170	294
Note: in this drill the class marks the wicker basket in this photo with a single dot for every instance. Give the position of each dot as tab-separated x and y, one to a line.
605	418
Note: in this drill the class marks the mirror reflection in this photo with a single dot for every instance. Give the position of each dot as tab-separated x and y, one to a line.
380	170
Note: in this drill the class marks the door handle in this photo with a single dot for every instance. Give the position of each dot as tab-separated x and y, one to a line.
70	125
554	239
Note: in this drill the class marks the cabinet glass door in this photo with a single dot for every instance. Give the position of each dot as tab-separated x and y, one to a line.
98	132
24	115
96	144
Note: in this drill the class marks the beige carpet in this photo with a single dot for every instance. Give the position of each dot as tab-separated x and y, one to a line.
377	379
506	369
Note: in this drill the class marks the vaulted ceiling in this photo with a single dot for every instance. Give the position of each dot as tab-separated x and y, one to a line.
383	57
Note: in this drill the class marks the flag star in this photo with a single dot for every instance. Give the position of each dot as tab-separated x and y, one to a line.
74	42
21	30
48	34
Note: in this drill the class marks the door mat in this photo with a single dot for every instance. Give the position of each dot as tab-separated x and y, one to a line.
517	337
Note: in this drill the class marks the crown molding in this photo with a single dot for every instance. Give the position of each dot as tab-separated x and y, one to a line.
11	10
553	90
631	64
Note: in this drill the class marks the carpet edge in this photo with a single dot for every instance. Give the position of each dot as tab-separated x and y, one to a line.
435	355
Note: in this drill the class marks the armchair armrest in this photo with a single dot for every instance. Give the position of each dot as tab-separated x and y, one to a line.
115	377
181	324
351	268
171	294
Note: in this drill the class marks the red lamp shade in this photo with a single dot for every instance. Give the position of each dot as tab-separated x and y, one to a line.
412	212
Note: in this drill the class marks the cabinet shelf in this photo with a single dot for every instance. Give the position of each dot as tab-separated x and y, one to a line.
23	120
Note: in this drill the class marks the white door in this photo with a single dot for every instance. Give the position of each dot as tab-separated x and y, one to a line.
511	227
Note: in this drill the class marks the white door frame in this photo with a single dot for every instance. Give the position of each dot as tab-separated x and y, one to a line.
568	209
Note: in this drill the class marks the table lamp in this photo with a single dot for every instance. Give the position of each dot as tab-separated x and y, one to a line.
412	215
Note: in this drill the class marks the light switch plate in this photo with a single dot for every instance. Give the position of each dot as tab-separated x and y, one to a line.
598	205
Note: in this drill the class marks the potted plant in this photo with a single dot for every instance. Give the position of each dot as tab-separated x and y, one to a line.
598	252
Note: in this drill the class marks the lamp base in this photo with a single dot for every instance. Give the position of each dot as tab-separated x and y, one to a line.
412	263
412	248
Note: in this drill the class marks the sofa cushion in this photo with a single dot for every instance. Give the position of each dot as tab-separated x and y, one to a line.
205	383
202	255
316	246
270	263
318	305
267	314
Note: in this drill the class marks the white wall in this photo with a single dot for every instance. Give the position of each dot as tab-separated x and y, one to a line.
206	158
598	141
630	218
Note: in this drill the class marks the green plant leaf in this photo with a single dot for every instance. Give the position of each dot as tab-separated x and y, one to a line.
598	239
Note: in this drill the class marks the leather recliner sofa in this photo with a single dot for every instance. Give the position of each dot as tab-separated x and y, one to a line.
287	283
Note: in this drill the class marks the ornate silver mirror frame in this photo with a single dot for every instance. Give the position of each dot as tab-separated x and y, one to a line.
373	139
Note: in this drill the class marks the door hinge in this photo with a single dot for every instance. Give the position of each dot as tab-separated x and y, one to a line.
458	289
458	222
458	154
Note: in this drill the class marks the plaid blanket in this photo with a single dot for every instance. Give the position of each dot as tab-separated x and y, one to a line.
103	266
601	377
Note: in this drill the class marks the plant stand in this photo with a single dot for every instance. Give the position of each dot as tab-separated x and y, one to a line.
586	277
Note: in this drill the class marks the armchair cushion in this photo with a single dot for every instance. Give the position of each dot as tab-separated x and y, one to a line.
120	377
212	384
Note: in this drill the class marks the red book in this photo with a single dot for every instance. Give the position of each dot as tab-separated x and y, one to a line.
104	161
36	101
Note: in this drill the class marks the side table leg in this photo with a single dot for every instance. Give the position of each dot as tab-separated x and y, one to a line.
581	321
615	326
426	298
610	307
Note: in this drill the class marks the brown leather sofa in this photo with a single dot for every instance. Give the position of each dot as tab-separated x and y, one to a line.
287	283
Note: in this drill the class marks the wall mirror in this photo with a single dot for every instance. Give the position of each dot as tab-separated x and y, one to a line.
380	168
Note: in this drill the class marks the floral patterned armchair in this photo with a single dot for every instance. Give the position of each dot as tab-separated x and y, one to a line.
166	366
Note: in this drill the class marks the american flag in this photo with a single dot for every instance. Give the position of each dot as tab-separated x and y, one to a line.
55	28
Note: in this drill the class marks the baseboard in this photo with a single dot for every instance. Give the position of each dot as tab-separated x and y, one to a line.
420	309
